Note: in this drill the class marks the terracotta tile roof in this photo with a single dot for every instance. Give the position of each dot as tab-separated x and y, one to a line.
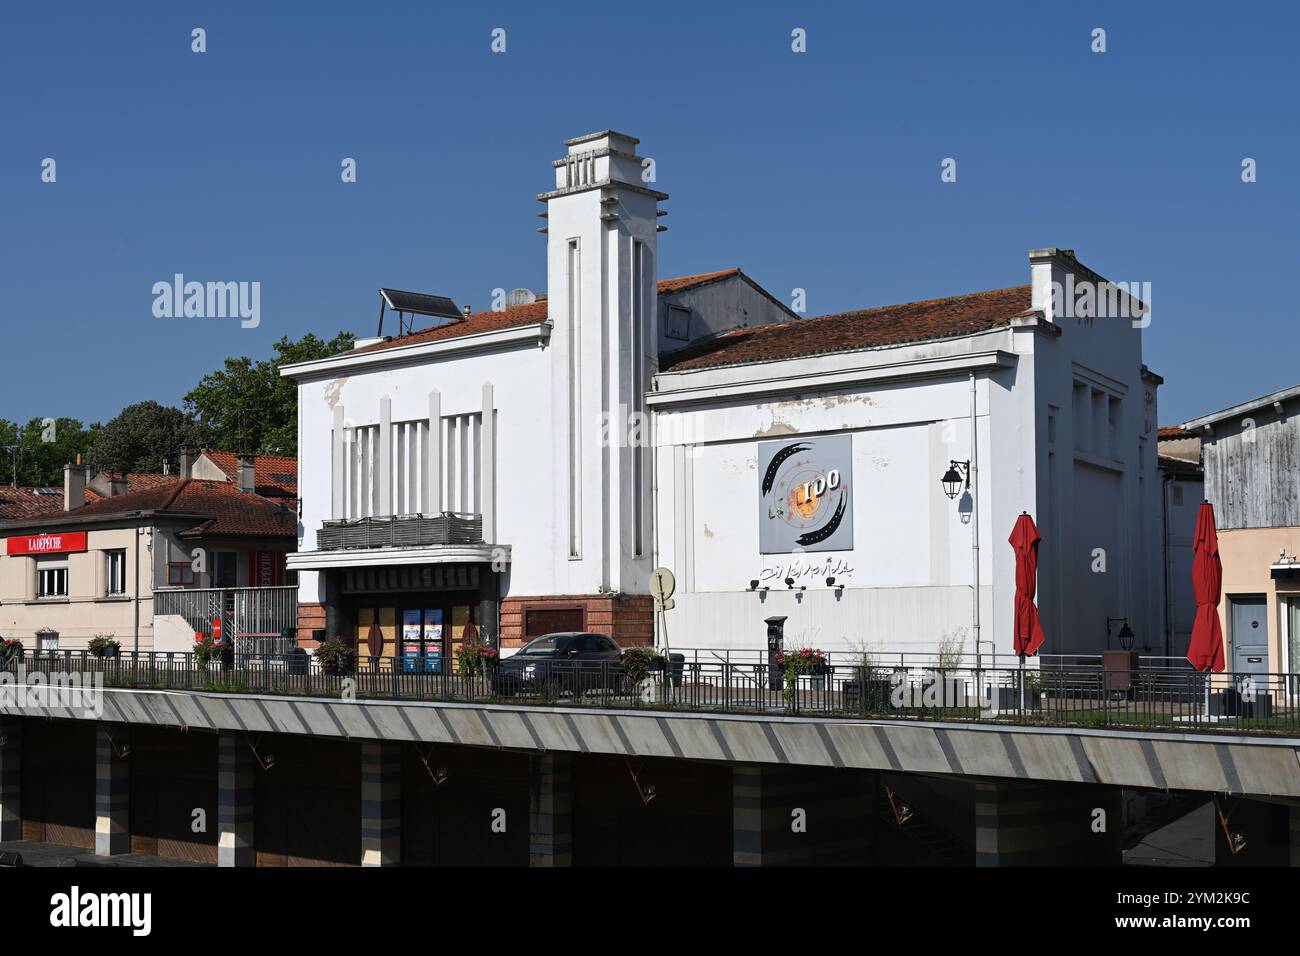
27	502
848	331
234	514
1174	432
221	509
135	481
274	476
155	496
533	313
689	282
24	502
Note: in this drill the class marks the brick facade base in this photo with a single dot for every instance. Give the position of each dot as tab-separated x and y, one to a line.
628	618
311	617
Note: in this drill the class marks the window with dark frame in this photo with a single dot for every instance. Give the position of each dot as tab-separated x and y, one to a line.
678	325
115	572
180	573
52	580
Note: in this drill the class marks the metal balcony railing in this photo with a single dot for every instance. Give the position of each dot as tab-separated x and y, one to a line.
401	531
1086	695
255	618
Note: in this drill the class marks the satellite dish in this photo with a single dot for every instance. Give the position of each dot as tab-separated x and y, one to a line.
520	297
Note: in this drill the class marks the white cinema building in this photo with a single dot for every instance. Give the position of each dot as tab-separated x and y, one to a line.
523	470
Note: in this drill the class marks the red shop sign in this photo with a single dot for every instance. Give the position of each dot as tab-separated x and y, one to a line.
62	543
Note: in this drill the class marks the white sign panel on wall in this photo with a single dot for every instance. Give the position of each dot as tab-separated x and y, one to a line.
804	495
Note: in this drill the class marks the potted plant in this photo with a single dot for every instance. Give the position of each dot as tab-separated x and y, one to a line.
10	650
104	645
1008	695
474	659
638	663
869	689
1033	688
205	651
799	662
337	657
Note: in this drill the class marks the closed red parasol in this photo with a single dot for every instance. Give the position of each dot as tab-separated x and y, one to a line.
1205	650
1024	541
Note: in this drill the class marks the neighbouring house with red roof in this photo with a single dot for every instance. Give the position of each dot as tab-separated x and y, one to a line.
150	559
523	469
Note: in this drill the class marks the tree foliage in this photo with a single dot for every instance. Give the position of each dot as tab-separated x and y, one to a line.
245	406
39	449
248	407
143	436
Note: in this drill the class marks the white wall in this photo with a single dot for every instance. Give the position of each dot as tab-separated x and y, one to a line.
520	377
911	562
909	574
1106	504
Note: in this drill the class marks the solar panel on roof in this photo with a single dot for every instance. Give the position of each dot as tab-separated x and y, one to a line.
418	303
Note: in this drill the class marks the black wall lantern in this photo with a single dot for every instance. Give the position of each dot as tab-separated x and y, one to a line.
1125	632
957	476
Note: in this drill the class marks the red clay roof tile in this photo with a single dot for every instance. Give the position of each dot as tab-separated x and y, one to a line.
273	475
533	313
27	502
220	509
849	331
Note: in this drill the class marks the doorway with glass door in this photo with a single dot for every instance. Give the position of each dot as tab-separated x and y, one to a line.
421	634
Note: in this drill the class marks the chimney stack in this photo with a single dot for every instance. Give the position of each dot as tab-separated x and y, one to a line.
247	473
117	485
187	456
74	485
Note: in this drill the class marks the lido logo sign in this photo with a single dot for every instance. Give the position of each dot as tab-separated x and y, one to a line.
804	495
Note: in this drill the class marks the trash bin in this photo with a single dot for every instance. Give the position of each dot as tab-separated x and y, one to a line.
676	667
297	661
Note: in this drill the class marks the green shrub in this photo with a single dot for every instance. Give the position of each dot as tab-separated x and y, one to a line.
104	645
337	658
637	662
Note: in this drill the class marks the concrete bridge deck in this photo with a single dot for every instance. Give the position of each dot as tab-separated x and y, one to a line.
1161	760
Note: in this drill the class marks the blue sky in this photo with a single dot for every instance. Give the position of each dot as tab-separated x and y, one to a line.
816	170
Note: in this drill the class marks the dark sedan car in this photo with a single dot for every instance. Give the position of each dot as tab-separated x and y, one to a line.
565	661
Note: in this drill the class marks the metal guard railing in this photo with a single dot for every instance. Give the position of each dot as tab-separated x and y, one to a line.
1075	695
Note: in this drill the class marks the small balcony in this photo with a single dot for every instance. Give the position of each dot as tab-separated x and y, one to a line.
259	620
401	531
